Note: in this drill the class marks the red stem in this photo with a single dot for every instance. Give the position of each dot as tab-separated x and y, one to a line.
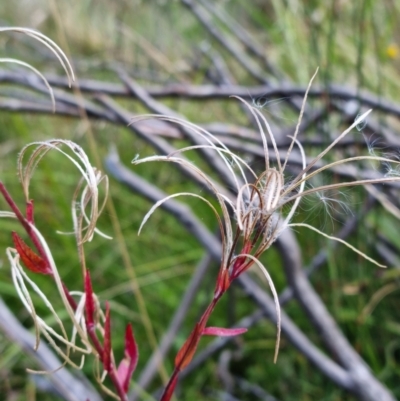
111	372
29	212
223	283
25	222
169	389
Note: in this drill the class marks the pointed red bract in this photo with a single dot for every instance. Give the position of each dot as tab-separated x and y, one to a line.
185	354
221	332
30	259
128	364
223	282
131	348
107	340
240	263
89	304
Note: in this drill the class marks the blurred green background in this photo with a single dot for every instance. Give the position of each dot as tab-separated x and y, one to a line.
355	44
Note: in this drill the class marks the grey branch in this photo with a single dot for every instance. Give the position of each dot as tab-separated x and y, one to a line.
206	92
69	387
227	44
365	385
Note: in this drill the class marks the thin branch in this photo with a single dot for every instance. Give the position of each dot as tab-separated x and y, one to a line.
159	108
366	386
151	131
206	92
246	62
242	35
229	133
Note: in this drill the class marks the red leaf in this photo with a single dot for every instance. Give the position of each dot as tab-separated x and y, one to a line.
128	364
221	332
130	344
31	260
89	304
107	340
185	354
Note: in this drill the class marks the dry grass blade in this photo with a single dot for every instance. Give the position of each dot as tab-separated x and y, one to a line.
50	44
354	249
37	72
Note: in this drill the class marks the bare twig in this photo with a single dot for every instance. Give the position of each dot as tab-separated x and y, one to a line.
254	389
163	110
206	92
247	63
242	35
229	133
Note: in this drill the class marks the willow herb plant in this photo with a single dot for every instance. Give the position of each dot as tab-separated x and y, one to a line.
91	326
254	219
249	224
91	323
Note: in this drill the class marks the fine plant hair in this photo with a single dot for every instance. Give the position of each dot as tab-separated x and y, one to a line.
50	44
264	205
91	324
258	218
327	205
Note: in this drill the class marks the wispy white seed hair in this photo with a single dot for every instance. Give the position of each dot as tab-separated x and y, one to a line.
269	193
50	44
37	72
258	205
91	179
57	51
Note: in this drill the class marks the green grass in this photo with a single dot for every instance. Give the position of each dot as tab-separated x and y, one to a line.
350	45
